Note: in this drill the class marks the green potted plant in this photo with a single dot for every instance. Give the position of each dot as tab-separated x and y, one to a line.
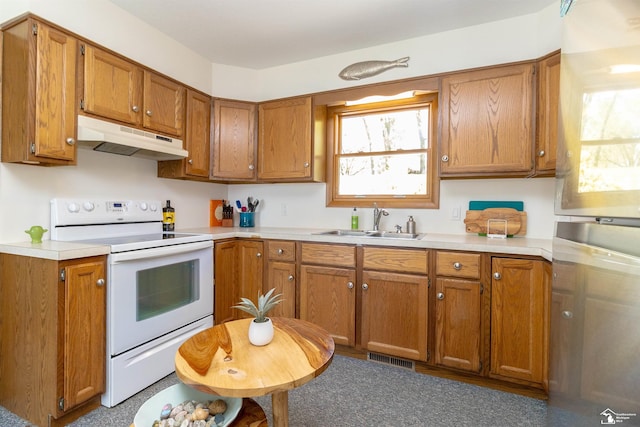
261	327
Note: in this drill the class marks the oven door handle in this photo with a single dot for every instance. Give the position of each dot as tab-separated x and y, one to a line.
159	252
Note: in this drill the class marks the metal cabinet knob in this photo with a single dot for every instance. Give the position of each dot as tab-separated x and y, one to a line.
70	141
259	254
135	108
100	282
350	285
280	251
440	295
306	164
149	113
445	158
497	276
365	286
290	277
190	161
457	265
251	167
567	314
541	153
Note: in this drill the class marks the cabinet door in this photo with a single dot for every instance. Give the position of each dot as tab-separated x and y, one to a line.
197	135
519	319
282	277
458	323
394	314
328	299
547	114
234	140
250	271
487	120
284	139
163	101
112	86
84	332
226	278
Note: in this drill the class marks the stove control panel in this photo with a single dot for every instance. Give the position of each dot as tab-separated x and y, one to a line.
65	212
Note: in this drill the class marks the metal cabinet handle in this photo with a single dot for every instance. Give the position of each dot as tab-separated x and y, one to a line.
149	113
100	282
259	254
440	296
365	286
541	153
290	277
567	314
445	158
280	251
497	276
135	108
457	265
350	285
70	141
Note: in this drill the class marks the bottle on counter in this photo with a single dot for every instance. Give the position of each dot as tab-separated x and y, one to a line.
411	226
168	217
354	219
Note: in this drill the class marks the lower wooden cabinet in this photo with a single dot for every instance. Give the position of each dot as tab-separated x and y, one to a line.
238	272
458	307
520	294
53	341
281	275
394	302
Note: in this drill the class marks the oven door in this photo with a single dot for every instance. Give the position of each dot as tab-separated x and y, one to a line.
155	291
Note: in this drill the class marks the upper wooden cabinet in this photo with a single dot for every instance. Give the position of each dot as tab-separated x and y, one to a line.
197	141
38	94
234	141
547	114
291	141
487	122
117	89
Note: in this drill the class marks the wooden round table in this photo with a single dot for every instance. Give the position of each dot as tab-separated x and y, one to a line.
221	361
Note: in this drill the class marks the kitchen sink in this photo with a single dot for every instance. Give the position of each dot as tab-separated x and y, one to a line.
371	233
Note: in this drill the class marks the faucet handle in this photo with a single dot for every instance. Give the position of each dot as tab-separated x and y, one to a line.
398	228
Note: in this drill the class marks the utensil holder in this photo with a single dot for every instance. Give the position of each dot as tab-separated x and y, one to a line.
247	219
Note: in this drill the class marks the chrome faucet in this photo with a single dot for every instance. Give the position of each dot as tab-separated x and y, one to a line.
377	213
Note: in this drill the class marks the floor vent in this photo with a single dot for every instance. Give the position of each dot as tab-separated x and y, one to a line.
390	360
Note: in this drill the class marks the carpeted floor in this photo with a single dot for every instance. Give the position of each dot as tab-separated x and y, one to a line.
354	392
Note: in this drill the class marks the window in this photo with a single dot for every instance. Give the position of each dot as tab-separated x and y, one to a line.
383	152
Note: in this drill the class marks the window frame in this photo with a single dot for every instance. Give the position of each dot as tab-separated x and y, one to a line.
429	201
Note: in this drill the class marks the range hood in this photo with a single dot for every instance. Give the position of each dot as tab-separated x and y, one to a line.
108	137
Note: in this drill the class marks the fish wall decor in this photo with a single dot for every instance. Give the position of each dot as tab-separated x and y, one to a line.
362	70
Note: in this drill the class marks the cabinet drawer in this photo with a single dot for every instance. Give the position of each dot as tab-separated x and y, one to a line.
334	255
458	264
281	250
393	259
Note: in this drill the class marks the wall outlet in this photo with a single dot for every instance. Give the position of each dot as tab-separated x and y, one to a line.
455	214
283	209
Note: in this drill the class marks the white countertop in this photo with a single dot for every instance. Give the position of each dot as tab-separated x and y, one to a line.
55	250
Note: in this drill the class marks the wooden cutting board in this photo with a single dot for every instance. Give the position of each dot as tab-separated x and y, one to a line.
476	221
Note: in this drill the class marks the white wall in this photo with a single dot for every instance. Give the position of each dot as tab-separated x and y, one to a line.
25	190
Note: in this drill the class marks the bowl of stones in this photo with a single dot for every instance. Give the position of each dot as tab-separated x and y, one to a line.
180	402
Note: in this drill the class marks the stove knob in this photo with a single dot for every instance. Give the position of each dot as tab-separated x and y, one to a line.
153	207
73	207
88	206
143	206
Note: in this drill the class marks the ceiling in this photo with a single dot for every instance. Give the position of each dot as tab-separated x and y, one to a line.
259	34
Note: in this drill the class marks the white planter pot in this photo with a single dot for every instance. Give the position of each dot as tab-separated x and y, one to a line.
260	333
